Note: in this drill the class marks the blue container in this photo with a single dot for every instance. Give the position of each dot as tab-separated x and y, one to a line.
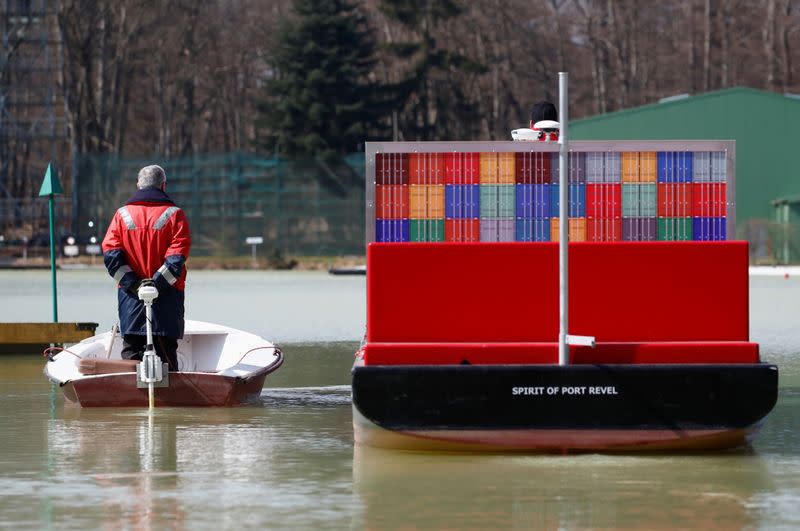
577	200
675	166
533	230
709	229
533	201
577	167
391	230
462	201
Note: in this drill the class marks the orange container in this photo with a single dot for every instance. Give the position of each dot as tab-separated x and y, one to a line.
426	168
674	200
497	168
603	230
391	201
639	167
391	168
577	229
708	200
426	201
462	168
462	230
630	166
648	167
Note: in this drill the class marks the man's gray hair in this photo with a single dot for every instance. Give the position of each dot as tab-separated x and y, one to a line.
151	177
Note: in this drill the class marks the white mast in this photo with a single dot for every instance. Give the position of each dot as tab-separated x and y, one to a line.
563	221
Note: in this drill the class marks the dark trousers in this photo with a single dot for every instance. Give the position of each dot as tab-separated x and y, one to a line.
166	348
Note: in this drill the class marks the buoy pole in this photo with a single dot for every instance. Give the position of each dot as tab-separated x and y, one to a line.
50	187
563	221
51	209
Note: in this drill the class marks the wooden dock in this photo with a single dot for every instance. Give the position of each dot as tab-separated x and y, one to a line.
28	338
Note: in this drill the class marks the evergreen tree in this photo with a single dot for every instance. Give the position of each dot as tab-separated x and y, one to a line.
319	101
436	106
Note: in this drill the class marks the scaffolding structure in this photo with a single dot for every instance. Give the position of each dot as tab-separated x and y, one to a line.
300	207
32	124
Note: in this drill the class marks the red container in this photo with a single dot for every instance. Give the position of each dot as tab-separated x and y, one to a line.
462	230
391	168
603	200
462	168
674	200
533	168
426	168
391	201
708	200
603	230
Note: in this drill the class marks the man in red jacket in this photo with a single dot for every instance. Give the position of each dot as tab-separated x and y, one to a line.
148	240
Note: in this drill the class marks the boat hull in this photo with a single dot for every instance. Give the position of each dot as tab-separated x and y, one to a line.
553	409
186	389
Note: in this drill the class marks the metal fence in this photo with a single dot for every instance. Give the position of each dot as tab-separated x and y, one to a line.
305	207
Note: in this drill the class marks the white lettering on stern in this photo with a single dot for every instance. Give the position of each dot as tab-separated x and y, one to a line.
527	391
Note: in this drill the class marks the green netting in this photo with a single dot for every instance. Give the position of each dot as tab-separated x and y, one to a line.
306	207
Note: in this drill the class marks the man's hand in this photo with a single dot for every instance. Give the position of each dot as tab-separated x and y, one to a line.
134	288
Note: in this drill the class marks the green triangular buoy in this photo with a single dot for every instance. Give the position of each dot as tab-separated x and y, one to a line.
50	184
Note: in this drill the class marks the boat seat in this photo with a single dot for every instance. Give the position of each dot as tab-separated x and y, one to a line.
93	366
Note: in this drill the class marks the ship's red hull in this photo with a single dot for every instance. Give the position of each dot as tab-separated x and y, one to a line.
550	440
186	389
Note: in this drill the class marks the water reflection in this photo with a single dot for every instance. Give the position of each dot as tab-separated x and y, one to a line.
547	492
140	449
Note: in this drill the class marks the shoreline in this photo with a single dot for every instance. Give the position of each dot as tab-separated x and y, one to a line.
293	263
211	263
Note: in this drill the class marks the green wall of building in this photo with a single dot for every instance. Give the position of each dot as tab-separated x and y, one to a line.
765	126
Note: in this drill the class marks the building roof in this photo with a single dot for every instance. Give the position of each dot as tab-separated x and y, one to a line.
765	126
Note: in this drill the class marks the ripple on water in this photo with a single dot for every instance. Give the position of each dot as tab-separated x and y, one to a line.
318	397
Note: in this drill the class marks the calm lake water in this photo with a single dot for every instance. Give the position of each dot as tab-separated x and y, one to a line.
289	462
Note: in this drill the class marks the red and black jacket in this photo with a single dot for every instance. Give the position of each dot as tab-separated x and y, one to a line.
149	238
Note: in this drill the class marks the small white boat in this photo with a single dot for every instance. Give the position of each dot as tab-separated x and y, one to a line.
218	366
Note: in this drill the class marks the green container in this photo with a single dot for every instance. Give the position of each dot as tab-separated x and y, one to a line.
497	201
648	197
426	230
639	200
674	229
630	201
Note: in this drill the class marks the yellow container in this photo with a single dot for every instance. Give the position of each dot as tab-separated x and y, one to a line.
648	169
630	166
577	229
497	168
639	167
426	201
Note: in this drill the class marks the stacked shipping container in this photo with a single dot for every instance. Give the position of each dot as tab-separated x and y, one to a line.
613	196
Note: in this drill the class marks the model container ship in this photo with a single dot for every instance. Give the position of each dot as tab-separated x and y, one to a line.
461	348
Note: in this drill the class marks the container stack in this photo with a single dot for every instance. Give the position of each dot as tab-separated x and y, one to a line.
391	197
462	197
639	191
674	195
603	197
514	196
533	175
497	201
709	195
426	197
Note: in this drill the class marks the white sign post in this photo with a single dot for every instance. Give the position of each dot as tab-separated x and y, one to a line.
93	248
254	241
70	249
